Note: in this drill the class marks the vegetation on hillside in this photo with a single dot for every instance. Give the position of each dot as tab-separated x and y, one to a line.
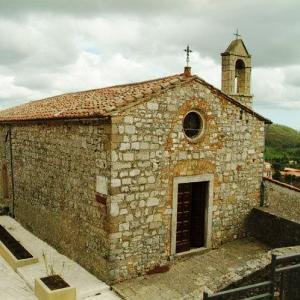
282	145
283	150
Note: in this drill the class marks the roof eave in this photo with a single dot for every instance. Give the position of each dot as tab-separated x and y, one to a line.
102	119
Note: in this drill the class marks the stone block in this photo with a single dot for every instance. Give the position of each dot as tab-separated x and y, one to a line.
101	185
134	172
128	120
128	156
130	129
116	182
124	227
152	106
152	202
114	209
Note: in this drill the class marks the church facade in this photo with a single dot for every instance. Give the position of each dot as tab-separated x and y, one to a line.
126	178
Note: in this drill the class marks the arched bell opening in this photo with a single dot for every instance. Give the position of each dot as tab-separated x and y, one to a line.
240	77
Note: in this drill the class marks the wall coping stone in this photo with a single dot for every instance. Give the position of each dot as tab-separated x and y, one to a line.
288	186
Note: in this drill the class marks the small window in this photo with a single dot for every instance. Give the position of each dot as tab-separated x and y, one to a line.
241	115
192	125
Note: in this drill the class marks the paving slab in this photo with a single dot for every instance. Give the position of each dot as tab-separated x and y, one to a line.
107	295
189	276
86	284
12	287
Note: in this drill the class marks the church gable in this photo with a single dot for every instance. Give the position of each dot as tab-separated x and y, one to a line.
192	91
169	112
152	155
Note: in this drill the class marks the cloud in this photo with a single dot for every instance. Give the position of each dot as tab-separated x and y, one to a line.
14	47
10	93
272	88
292	75
51	47
269	26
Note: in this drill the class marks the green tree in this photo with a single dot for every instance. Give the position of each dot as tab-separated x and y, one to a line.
277	175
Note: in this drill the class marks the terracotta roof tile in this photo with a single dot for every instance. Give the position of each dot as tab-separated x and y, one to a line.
99	102
92	103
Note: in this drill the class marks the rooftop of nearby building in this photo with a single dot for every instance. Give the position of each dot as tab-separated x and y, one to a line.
291	170
103	102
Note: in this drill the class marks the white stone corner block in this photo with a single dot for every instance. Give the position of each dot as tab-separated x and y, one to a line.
101	185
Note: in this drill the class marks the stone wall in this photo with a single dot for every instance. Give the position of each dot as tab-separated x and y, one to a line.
149	149
246	100
272	229
278	222
55	169
282	198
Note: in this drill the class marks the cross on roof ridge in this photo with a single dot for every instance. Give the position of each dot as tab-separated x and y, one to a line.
188	51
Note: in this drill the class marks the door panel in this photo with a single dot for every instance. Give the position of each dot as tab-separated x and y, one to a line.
199	194
184	217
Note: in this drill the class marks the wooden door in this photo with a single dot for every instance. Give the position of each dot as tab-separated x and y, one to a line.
183	232
199	192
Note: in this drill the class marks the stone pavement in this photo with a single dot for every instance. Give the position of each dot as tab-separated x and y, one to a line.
12	286
190	276
20	285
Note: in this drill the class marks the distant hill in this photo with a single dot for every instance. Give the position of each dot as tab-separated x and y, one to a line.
282	144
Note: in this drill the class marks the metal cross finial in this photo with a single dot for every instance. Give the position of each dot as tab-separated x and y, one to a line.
188	51
237	35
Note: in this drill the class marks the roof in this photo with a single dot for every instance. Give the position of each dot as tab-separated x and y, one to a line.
291	170
103	102
237	46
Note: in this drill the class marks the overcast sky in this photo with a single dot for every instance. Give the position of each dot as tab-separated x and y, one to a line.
50	47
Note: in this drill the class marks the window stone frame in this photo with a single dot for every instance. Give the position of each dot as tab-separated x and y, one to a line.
202	129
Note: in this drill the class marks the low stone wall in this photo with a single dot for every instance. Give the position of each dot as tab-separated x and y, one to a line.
265	274
273	229
282	199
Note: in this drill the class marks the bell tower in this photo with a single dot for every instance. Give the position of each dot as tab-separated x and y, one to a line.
236	72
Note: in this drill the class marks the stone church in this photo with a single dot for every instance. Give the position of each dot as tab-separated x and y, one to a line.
124	179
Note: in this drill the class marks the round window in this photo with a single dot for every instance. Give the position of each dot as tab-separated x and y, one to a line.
192	124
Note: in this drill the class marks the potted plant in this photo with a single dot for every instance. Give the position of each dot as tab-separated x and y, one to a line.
53	286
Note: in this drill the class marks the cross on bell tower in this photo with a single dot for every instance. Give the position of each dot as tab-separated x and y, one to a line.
237	35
